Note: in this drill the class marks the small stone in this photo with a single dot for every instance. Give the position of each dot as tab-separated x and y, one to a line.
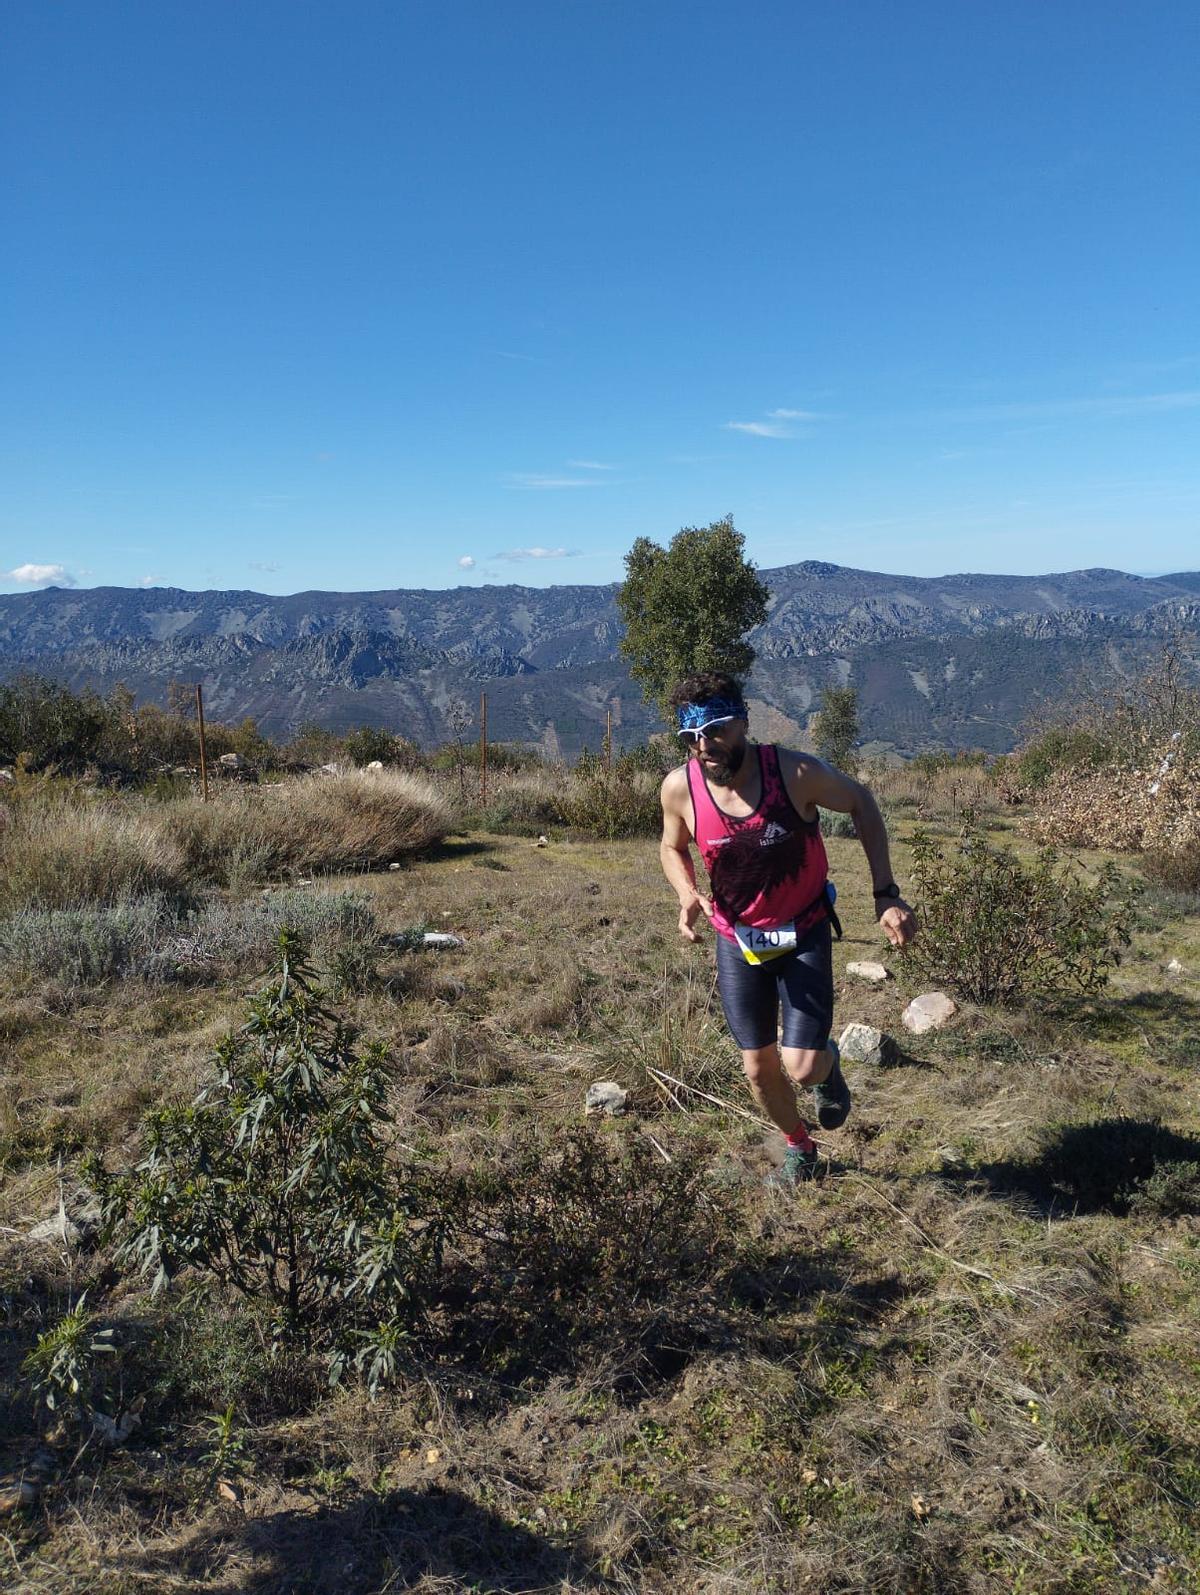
231	761
17	1493
930	1011
442	939
1174	967
866	969
393	866
606	1096
542	841
864	1044
7	775
433	1456
375	764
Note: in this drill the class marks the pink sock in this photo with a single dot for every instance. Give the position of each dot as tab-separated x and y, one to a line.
800	1138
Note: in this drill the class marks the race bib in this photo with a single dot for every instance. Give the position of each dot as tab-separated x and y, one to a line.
760	944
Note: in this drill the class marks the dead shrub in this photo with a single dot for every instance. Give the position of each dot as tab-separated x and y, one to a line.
577	1242
358	819
68	855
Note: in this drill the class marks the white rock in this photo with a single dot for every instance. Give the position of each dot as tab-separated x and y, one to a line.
393	866
7	775
231	761
868	970
375	764
930	1011
58	1228
542	841
442	939
864	1044
332	769
1174	967
606	1096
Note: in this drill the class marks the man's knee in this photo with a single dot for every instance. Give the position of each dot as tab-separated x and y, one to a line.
806	1065
760	1064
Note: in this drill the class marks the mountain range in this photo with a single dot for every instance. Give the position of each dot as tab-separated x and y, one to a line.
946	661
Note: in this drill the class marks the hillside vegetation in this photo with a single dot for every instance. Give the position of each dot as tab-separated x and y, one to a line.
333	1286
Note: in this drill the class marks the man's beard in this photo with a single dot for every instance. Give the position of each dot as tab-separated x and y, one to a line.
728	767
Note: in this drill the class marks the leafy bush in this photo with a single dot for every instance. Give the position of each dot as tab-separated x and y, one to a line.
50	725
152	939
997	930
366	744
610	802
61	854
836	824
276	1184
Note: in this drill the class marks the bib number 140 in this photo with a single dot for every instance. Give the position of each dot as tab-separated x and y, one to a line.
761	943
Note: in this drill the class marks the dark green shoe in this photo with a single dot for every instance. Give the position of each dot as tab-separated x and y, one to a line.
797	1167
833	1095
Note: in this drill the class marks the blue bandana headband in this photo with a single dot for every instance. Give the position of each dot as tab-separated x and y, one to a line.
711	711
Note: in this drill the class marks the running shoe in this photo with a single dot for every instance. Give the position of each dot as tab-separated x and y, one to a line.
833	1095
797	1166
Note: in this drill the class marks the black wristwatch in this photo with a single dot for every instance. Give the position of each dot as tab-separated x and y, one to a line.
890	890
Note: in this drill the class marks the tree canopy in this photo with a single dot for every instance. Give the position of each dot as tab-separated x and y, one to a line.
689	606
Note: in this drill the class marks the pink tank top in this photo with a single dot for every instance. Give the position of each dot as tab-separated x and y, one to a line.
768	867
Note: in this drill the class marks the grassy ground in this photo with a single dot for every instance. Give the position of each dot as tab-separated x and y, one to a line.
927	1372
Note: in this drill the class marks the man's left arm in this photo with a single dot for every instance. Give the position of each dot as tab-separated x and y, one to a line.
811	780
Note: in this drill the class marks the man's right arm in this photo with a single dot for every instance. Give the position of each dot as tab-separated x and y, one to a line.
674	851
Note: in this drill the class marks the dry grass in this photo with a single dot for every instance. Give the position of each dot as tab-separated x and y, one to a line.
65	855
356	820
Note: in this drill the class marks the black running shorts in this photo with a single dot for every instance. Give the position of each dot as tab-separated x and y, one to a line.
800	983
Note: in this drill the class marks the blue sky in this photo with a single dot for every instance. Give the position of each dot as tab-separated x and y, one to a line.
343	295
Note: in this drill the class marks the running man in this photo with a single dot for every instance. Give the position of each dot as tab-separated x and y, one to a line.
751	809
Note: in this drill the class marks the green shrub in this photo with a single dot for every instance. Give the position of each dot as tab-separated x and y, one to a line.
366	744
835	824
276	1184
995	930
612	801
51	725
152	939
62	1367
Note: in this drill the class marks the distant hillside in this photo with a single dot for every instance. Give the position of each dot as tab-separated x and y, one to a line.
940	661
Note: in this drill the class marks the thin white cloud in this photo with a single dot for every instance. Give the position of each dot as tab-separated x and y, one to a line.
534	481
797	415
588	465
467	562
1109	407
150	581
35	575
759	429
537	553
268	565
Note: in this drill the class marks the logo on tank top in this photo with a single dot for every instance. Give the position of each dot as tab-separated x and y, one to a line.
773	832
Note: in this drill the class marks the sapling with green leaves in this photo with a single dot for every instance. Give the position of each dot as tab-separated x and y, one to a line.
277	1182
